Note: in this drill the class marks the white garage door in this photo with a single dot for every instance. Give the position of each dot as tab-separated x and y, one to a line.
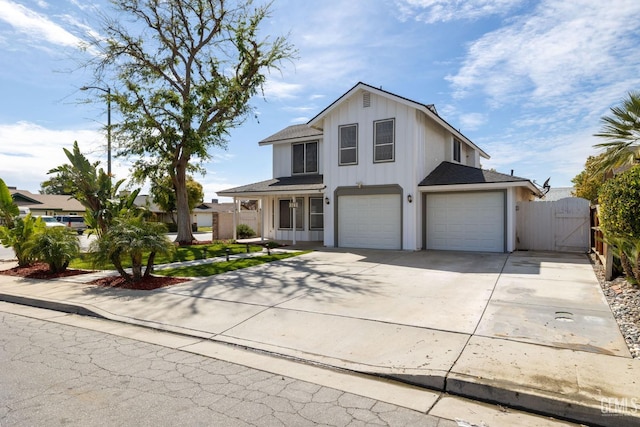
371	221
466	221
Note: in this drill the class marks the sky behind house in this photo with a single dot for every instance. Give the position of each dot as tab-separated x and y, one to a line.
527	81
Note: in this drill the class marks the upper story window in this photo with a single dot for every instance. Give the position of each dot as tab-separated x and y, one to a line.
456	150
348	145
383	140
304	157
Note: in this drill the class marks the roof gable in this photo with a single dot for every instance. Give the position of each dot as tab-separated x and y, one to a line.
428	109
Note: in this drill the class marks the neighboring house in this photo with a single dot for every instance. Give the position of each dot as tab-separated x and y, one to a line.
146	201
558	193
376	170
46	204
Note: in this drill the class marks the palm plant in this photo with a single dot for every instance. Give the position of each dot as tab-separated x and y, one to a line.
622	131
56	246
19	237
133	237
8	209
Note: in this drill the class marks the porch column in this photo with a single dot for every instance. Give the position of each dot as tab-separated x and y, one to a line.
293	206
261	219
235	220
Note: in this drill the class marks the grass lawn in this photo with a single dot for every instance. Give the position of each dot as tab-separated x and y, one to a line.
182	253
224	266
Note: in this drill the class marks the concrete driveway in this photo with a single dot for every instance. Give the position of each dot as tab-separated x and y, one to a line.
550	299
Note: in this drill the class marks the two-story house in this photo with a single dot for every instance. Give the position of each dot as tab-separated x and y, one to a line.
377	170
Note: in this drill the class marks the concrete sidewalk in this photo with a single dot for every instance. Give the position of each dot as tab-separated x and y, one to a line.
527	330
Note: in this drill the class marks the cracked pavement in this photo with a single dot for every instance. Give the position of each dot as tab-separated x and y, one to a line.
55	374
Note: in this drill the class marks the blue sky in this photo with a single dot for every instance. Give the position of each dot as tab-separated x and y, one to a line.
527	81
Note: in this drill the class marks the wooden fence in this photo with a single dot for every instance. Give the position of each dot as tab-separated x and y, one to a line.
561	226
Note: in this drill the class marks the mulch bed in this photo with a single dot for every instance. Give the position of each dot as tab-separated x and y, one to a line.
40	270
145	284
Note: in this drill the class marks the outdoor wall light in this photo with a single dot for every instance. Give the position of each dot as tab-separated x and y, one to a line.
409	198
326	200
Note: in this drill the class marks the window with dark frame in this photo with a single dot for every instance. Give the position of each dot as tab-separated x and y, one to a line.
348	145
304	158
286	214
383	140
316	213
456	150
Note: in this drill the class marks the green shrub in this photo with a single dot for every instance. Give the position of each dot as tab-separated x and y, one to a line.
243	231
20	236
619	207
132	238
56	246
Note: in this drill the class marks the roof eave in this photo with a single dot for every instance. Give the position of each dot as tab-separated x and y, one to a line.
480	186
290	140
269	192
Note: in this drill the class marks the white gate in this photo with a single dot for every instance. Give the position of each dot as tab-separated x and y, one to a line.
560	226
251	218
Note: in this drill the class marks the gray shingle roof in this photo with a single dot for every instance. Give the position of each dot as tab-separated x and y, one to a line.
52	202
292	132
279	185
448	173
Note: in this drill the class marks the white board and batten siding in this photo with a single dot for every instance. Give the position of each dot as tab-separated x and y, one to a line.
559	226
473	221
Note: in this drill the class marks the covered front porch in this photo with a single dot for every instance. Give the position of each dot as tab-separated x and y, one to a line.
291	208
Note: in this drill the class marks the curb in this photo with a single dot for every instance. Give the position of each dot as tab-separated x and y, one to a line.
51	305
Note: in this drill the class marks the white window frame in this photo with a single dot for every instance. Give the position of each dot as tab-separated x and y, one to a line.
392	143
299	214
341	148
320	200
457	150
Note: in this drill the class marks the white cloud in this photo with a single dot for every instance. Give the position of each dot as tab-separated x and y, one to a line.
29	151
279	89
36	27
472	121
560	156
432	11
554	52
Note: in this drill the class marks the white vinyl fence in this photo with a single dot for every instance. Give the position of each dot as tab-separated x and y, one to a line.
222	223
561	226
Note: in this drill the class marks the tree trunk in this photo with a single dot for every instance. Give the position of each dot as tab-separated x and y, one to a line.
136	266
636	270
149	270
185	235
626	264
115	260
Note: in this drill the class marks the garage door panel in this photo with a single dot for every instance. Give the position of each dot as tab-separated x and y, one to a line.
369	221
466	221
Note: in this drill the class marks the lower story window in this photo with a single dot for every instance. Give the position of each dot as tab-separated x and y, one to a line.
316	213
286	214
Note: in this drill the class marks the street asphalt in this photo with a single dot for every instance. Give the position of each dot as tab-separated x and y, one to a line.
526	330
